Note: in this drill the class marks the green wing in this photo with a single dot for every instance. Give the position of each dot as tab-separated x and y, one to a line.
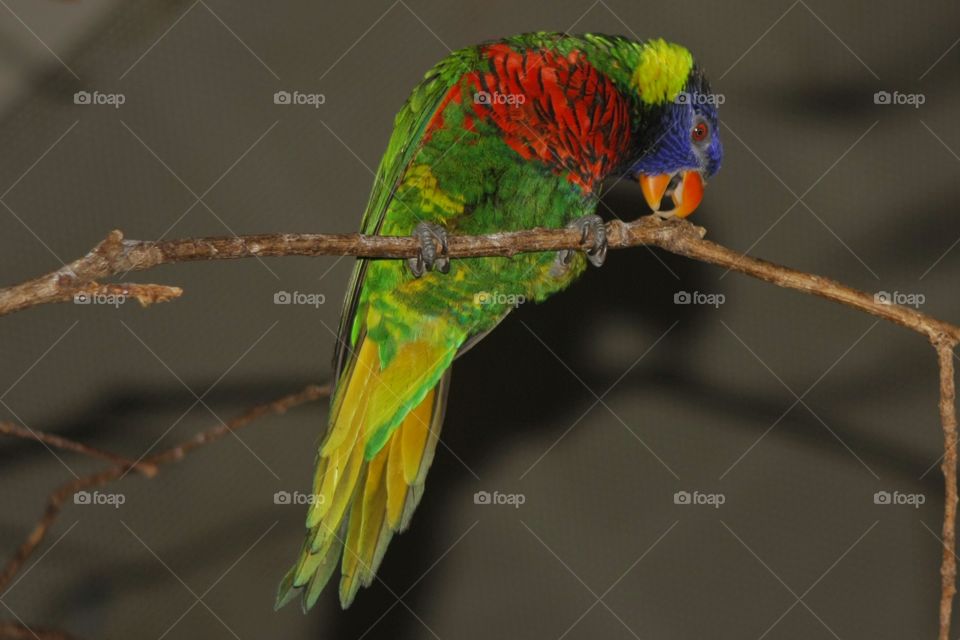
406	140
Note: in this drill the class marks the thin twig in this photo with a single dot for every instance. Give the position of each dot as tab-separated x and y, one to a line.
948	419
277	407
60	496
52	439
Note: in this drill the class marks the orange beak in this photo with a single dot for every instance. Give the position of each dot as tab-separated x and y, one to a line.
685	188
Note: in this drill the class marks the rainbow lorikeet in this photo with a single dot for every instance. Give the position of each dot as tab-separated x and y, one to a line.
503	136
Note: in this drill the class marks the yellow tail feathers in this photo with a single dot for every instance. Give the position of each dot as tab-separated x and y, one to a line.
361	500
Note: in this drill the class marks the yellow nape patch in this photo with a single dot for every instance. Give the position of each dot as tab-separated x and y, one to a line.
432	197
662	71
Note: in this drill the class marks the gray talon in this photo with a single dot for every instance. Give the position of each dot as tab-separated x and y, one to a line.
429	259
588	225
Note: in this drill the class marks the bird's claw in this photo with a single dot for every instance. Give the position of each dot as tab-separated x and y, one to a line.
429	259
589	226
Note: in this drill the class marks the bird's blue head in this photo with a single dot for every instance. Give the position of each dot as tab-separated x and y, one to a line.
679	141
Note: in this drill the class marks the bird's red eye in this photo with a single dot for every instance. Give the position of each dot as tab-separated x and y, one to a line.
699	132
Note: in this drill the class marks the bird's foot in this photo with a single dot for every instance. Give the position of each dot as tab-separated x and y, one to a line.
589	226
429	258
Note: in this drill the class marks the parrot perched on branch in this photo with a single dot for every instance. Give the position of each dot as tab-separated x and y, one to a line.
504	136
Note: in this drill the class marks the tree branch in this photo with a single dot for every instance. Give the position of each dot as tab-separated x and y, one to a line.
116	255
948	419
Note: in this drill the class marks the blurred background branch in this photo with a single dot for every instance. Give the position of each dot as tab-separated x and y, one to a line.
57	499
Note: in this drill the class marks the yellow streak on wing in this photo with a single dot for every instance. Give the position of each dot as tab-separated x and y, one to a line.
416	427
374	511
338	465
348	568
396	487
366	367
331	519
336	475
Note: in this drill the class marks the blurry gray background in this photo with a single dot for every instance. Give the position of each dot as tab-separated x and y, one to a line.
691	397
